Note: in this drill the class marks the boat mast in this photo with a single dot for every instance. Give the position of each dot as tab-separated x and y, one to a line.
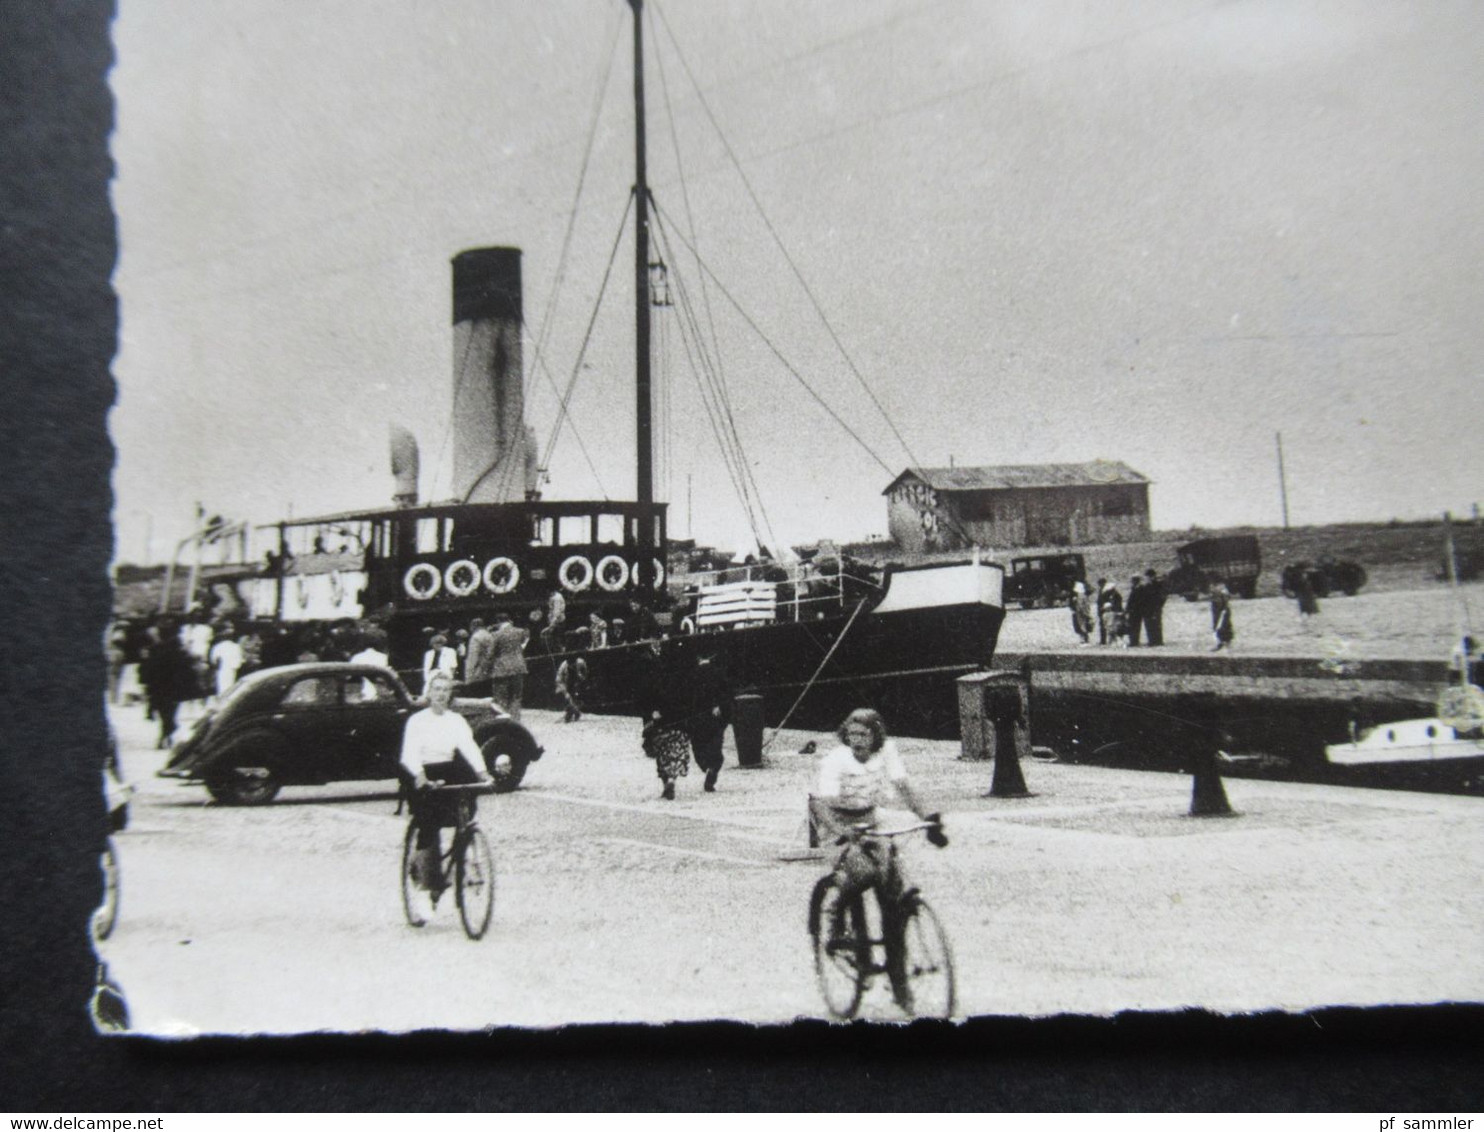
645	488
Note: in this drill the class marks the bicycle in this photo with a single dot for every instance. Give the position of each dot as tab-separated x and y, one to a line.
107	913
467	859
116	796
902	940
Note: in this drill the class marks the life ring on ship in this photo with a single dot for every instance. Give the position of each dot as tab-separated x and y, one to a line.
687	626
607	578
462	577
493	570
431	583
576	573
659	574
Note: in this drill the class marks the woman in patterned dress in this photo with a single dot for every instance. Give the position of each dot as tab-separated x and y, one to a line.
664	704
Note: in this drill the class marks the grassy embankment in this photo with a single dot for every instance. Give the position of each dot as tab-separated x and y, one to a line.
1396	555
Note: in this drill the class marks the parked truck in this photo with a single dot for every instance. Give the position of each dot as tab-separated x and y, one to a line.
1233	559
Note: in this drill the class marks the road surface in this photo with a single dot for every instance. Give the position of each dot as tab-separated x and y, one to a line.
1098	894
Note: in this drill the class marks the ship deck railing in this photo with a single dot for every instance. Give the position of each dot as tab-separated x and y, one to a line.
769	592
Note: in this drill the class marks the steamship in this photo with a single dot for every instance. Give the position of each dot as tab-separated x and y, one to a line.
811	638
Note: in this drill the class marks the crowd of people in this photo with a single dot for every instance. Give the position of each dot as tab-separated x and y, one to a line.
684	697
1122	622
1119	621
484	660
170	661
678	684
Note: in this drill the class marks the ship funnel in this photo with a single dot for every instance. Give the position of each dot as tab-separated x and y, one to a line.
491	450
404	465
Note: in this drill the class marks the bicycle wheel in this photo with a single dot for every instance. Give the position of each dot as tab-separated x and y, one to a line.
107	914
474	868
921	964
414	899
842	949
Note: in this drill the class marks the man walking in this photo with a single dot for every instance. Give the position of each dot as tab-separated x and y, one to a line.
1154	607
508	665
711	711
1136	609
481	652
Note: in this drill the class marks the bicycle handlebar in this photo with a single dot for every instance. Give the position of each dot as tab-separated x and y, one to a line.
864	829
459	788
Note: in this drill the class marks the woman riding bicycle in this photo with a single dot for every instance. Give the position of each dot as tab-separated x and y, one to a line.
852	782
437	748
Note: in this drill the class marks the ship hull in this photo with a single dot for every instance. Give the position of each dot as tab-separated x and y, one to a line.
810	674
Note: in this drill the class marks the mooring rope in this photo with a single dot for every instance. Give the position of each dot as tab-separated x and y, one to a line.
789	714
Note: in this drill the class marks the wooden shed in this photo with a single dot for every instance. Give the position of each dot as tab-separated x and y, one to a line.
1017	505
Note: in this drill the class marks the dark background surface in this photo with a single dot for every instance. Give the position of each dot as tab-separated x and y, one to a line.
58	324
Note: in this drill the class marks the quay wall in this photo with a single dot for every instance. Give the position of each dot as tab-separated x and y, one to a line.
1145	673
1271	716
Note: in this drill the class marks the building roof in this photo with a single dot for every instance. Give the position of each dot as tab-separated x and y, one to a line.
1001	477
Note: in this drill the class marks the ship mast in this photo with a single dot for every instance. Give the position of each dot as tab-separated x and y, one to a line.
645	488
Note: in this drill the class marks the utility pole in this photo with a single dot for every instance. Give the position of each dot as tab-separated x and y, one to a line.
1282	482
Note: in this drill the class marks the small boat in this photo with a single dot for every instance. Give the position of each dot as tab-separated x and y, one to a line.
1455	732
1408	741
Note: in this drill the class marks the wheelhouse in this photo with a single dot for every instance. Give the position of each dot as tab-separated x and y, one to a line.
449	561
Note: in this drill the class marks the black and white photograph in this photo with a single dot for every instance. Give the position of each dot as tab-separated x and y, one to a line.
629	511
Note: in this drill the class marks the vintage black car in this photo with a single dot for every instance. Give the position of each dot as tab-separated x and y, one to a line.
1045	580
309	724
1326	577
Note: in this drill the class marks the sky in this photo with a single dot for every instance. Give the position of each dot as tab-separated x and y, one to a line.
1156	231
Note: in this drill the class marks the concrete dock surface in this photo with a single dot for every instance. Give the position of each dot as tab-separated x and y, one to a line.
1412	624
1097	894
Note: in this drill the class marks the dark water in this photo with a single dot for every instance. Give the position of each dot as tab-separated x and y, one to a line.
1276	738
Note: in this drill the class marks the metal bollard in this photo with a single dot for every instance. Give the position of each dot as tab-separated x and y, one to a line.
994	722
1007	709
747	729
1207	793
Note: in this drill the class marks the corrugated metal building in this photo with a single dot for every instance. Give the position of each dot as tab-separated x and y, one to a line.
1017	505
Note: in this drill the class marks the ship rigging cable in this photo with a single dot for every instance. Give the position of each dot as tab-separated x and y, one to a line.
730	457
511	466
587	337
951	521
789	714
548	317
778	240
793	372
715	372
723	426
718	410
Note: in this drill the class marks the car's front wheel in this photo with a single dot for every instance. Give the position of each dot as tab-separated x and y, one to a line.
506	765
245	786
